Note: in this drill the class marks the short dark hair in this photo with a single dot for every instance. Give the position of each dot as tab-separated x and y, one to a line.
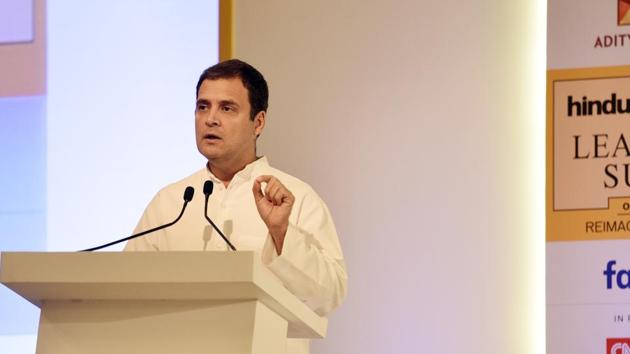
251	78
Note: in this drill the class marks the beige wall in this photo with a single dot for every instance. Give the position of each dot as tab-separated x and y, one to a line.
416	122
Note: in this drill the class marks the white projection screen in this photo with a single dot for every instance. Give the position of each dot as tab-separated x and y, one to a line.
121	95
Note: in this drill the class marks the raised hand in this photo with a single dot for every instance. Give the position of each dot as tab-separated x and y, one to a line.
274	206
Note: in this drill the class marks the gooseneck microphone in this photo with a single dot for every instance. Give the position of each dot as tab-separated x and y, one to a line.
188	195
208	186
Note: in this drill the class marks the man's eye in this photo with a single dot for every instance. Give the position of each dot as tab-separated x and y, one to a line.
202	107
228	108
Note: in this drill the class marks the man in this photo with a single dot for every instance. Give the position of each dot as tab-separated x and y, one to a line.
259	207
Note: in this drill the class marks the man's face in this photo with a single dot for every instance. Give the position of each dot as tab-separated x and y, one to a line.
224	131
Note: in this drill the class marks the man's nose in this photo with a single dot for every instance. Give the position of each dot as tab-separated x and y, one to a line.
212	119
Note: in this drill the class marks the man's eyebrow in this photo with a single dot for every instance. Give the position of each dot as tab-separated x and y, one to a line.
222	102
228	103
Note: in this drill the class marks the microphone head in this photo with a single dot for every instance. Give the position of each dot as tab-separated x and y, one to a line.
188	193
208	187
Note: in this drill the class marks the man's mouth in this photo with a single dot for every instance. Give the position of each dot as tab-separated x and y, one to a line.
211	137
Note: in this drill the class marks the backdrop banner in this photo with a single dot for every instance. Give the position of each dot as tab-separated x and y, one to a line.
588	177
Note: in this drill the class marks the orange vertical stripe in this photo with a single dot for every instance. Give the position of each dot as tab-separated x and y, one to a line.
225	30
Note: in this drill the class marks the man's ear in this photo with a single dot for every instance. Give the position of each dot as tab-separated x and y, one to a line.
259	122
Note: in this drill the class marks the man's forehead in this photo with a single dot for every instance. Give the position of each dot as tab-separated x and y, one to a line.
222	89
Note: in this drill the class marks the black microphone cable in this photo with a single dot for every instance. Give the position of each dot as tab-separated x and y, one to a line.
188	195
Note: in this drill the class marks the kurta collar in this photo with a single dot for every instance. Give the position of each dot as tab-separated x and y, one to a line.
244	174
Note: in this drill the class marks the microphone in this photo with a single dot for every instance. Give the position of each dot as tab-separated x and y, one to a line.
188	196
208	186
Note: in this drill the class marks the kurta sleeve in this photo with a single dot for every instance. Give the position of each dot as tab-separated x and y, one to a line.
311	264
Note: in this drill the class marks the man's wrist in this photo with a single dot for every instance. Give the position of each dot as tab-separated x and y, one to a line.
277	235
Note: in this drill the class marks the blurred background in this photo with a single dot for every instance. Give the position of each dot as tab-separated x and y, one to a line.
420	123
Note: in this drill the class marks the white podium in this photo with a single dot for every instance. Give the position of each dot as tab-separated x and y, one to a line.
158	302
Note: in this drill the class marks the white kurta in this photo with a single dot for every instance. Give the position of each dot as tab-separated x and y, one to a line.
311	265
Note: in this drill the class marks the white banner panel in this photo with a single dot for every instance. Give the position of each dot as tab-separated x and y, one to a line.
588	177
